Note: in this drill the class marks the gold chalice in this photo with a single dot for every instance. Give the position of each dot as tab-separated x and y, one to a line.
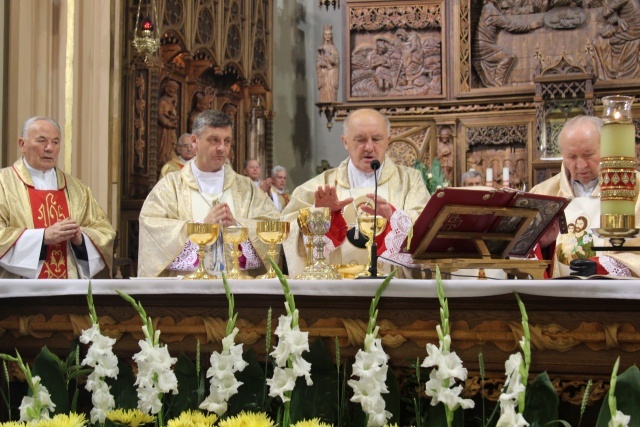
272	233
202	235
234	235
314	223
366	224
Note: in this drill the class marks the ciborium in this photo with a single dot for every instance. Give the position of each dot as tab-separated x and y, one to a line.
201	235
314	223
366	224
234	235
272	233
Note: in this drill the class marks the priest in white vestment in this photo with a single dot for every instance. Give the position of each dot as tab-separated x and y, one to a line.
51	226
579	143
348	191
206	190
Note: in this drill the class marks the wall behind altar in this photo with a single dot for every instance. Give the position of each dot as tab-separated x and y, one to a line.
301	137
35	67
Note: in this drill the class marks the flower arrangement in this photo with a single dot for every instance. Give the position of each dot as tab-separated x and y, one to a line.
169	391
433	176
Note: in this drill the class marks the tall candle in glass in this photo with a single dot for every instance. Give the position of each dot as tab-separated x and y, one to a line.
617	164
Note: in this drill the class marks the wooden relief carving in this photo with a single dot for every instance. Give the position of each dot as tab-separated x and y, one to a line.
409	144
497	39
445	152
139	122
328	67
396	50
499	147
168	119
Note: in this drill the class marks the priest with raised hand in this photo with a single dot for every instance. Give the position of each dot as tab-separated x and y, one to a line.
348	191
51	226
206	190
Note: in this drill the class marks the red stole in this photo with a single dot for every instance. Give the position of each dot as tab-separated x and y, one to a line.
47	208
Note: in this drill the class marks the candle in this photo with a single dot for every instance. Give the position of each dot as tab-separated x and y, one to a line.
489	175
505	174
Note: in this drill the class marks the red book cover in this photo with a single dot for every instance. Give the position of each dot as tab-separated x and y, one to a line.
548	207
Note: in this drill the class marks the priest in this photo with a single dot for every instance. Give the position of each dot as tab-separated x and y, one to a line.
348	191
579	142
51	226
185	151
206	190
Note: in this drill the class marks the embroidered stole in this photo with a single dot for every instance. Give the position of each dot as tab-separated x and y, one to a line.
47	208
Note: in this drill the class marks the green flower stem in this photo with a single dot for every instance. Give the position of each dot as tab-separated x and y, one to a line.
373	308
147	323
613	404
231	323
92	307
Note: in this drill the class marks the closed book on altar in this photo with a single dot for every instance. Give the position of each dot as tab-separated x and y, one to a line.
456	219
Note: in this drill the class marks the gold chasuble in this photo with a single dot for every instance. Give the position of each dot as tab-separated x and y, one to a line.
583	214
23	207
47	208
402	187
169	206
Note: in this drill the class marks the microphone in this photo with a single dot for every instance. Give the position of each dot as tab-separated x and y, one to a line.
373	270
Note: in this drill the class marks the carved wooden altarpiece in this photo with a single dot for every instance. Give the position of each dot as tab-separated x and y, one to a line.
214	54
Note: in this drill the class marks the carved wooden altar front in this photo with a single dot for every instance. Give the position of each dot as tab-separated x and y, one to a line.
213	54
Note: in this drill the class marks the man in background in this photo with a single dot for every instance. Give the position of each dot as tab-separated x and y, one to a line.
51	226
472	178
252	169
279	193
185	150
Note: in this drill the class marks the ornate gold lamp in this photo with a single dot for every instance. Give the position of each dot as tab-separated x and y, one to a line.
617	171
146	37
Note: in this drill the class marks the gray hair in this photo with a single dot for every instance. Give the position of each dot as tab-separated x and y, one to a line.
345	125
27	124
210	118
579	121
277	169
470	174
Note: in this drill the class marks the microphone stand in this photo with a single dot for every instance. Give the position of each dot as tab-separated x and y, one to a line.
373	270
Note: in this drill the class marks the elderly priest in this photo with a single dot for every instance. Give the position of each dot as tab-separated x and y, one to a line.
206	190
348	191
51	226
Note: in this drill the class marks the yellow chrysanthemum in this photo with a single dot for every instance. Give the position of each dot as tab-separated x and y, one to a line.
130	417
247	419
63	420
193	419
311	423
12	424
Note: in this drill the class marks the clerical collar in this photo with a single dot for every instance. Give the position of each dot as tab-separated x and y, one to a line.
183	160
359	179
256	182
42	180
209	182
584	190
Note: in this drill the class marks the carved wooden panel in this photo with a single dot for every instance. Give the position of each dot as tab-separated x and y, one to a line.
396	50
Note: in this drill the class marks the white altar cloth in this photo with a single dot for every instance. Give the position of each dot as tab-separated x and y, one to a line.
399	288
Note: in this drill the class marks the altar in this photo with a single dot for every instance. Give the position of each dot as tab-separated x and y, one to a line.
578	327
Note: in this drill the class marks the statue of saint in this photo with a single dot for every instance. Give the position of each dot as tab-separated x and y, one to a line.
168	122
328	67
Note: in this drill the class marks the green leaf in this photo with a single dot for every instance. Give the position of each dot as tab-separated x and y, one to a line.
541	405
49	367
627	395
250	396
187	397
122	388
318	400
392	399
436	416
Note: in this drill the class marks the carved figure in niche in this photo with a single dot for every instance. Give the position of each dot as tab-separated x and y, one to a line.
328	67
444	152
168	121
231	110
200	102
618	40
491	62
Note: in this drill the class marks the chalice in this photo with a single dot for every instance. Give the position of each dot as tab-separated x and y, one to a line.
366	224
272	233
201	235
234	235
314	223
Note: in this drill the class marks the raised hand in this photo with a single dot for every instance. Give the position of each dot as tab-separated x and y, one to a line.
327	197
